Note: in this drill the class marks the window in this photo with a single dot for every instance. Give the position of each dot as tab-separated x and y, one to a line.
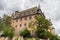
35	16
39	11
25	24
30	17
25	18
16	26
20	25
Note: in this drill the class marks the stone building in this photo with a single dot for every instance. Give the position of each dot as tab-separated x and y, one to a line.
21	20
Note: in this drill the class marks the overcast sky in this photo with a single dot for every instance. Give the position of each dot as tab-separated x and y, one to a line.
50	8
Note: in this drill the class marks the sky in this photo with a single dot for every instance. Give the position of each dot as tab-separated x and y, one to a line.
49	7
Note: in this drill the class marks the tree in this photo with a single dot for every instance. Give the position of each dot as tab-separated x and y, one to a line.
42	22
32	29
1	24
8	32
7	29
43	27
53	37
25	33
5	21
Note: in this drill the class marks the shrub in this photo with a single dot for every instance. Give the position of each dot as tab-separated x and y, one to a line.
25	33
8	32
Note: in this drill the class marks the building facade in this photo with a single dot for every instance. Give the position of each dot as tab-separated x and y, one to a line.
21	20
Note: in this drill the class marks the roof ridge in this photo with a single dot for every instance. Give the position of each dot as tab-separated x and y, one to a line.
27	9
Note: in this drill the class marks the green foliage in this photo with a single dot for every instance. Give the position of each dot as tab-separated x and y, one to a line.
42	34
8	32
46	34
43	23
42	30
53	37
5	21
32	26
43	26
2	24
6	27
37	39
25	33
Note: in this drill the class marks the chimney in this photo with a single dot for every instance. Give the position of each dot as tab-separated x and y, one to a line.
38	6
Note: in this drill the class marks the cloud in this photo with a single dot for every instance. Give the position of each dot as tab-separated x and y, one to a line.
9	6
51	8
1	5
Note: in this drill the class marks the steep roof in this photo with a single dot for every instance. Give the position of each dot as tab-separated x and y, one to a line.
28	12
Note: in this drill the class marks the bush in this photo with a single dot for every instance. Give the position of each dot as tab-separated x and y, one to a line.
8	32
37	39
25	33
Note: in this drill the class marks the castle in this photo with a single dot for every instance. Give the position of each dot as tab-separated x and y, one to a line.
21	20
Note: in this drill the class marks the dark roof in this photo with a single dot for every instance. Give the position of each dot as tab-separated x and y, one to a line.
28	12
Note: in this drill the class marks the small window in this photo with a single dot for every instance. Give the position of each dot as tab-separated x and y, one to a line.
25	18
25	24
20	25
35	16
30	17
16	26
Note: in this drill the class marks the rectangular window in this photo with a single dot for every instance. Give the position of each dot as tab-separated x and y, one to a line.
30	17
15	26
35	16
25	24
20	25
25	18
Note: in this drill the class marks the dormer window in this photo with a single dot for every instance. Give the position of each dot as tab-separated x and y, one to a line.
38	11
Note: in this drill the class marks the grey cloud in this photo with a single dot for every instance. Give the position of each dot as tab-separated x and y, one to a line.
1	5
9	6
58	31
51	8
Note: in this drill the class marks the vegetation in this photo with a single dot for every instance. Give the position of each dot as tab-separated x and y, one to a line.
8	32
40	27
5	26
43	25
25	33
